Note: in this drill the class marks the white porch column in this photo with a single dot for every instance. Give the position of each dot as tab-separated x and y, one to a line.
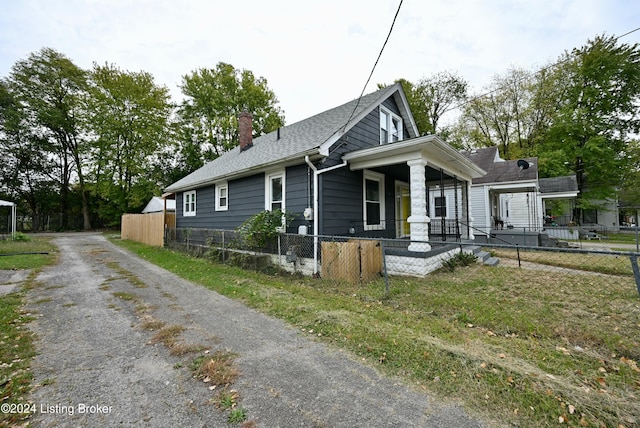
418	220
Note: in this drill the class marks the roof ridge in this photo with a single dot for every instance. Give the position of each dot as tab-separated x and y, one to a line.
301	137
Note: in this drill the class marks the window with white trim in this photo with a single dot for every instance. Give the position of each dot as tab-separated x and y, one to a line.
222	196
189	203
374	206
275	191
390	126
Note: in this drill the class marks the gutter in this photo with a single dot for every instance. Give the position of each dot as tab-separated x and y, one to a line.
254	169
316	173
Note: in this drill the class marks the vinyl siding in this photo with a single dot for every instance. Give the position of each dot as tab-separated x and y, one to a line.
342	204
364	134
246	198
479	209
205	204
524	211
340	201
299	194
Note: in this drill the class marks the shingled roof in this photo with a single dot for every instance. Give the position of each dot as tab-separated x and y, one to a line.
306	137
559	184
498	169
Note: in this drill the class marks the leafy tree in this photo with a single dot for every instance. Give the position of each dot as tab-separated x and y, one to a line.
511	114
24	172
129	117
439	94
50	88
431	97
214	98
598	111
629	192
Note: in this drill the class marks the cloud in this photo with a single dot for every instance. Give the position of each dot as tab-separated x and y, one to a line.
315	55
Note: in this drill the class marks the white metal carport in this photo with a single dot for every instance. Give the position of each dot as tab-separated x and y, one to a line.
13	215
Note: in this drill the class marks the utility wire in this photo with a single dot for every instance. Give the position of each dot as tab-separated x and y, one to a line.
555	64
374	67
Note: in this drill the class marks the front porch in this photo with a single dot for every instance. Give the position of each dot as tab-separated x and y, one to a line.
430	190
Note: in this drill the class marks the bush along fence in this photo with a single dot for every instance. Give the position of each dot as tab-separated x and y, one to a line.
390	262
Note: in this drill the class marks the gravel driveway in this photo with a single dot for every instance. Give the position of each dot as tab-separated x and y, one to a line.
96	365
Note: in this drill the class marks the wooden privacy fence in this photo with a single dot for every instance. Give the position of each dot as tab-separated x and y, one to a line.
146	228
352	261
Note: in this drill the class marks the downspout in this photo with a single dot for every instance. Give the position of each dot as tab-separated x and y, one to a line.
316	173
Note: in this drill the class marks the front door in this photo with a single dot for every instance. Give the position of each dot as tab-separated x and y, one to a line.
403	209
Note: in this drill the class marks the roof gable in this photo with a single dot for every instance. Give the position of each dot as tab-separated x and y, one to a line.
500	170
313	135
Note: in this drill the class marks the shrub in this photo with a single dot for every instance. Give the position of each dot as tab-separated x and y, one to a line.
19	236
459	260
262	228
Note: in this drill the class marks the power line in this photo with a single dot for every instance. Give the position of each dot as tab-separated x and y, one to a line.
374	65
543	69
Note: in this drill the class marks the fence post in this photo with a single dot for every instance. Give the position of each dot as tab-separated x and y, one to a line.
384	268
636	270
224	249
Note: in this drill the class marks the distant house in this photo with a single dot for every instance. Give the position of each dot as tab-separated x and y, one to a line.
157	204
359	169
506	197
511	203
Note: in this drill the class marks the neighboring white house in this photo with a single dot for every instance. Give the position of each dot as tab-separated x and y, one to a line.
512	200
156	204
508	196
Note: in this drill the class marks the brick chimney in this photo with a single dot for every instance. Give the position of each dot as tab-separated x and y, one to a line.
245	130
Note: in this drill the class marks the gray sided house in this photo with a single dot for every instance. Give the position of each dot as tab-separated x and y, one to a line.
359	169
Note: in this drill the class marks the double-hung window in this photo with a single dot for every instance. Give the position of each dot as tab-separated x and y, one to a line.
390	126
222	196
374	207
274	191
189	203
440	206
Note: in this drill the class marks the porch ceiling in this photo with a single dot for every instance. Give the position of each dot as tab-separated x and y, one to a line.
436	152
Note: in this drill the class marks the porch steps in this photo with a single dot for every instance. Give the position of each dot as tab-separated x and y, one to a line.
483	256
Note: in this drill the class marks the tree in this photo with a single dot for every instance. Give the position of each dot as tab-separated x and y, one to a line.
128	115
25	171
439	94
598	112
431	97
215	97
629	192
51	88
512	114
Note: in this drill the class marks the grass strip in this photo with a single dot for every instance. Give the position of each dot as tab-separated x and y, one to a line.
531	351
16	341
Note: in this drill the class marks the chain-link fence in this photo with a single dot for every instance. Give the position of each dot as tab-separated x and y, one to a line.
389	263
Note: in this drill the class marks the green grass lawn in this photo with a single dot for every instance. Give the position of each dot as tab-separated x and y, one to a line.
535	352
16	341
622	238
19	254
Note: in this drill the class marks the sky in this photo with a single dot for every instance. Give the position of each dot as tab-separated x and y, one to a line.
315	55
